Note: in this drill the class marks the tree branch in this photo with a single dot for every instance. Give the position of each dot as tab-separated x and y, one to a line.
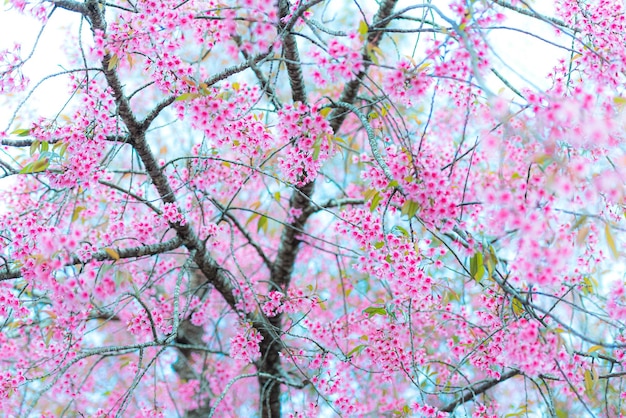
370	137
479	389
23	142
290	50
334	203
283	265
531	13
137	132
242	229
72	6
104	255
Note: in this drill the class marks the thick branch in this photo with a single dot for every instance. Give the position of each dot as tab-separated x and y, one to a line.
269	388
352	88
137	131
72	6
478	389
104	255
301	197
283	266
123	106
23	142
294	68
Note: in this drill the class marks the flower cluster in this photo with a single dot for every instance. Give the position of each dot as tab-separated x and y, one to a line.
11	77
272	306
311	135
139	324
172	215
406	85
525	348
9	382
245	345
342	60
428	411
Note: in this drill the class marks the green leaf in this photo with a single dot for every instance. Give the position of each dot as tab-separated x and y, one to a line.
356	350
36	166
590	382
251	218
373	310
113	62
594	348
339	140
369	194
187	96
379	245
588	285
62	148
77	211
620	101
492	255
490	268
401	230
375	201
410	208
610	241
40	165
363	28
324	112
130	60
518	307
262	224
48	336
560	413
316	150
374	53
521	411
477	267
112	253
21	132
34	146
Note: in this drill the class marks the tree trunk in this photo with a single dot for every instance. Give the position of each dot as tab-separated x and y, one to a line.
269	364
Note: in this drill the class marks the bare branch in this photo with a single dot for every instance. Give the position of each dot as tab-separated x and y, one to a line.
531	13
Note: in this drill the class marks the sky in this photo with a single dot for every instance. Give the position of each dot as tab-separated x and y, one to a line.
48	58
530	56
